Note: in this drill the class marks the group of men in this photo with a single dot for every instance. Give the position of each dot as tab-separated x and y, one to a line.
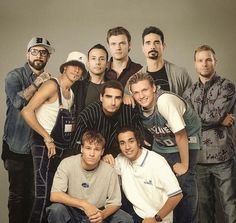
187	126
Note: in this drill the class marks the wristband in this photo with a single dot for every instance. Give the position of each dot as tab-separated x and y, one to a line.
35	86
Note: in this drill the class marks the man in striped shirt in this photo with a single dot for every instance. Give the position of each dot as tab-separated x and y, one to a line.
107	116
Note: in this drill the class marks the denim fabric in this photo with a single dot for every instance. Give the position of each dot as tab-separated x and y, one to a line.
59	213
186	210
16	130
44	170
220	177
20	200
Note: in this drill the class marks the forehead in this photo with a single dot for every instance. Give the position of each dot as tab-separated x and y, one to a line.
113	92
152	36
97	52
93	144
118	38
204	54
126	135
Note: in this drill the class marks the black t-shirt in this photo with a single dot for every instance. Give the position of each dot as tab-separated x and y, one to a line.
160	78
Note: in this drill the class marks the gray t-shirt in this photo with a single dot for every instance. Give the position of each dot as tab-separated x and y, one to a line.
99	186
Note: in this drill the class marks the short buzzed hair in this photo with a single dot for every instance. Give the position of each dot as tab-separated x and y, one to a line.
204	48
153	29
92	136
140	76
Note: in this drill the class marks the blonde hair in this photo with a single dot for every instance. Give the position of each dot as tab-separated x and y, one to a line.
140	76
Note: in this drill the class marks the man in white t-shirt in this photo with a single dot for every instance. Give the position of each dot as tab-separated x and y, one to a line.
147	180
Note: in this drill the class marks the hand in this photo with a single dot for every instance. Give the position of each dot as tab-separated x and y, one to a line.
97	218
128	100
109	159
50	146
180	169
93	213
42	78
228	120
149	220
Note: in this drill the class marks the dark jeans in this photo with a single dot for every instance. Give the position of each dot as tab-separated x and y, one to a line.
222	178
21	189
59	213
186	210
44	170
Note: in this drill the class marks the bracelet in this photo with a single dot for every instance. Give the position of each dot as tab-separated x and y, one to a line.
48	140
36	87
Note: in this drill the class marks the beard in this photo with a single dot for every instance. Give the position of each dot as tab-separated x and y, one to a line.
37	64
153	54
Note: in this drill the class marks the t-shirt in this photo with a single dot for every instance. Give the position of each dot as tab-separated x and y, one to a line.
99	186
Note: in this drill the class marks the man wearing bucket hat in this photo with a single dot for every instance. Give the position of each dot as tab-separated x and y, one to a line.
20	85
49	114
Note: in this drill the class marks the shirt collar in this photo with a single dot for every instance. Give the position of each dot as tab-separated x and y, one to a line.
141	160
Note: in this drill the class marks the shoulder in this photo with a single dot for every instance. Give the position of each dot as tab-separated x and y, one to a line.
106	168
169	99
70	161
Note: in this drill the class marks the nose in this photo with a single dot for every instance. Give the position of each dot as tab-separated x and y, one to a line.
92	152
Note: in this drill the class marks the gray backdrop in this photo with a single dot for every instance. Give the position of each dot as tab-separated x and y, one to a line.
77	25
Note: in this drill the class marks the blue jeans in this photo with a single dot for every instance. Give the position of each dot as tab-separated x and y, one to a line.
59	213
186	210
21	190
220	177
44	170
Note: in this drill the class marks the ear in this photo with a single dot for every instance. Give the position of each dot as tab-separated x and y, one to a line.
102	152
27	55
154	88
82	149
101	97
164	45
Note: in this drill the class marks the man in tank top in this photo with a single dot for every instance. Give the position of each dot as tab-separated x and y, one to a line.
49	114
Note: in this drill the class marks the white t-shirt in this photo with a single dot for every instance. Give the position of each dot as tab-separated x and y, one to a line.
147	183
173	111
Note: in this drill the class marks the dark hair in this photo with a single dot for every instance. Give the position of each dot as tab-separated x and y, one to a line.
153	29
93	136
119	30
101	47
137	135
204	48
112	84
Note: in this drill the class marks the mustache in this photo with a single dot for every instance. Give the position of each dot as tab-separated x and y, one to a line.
153	51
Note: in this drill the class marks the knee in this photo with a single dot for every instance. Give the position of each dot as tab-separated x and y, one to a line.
57	213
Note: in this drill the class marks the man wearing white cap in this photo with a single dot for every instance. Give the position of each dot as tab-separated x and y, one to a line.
20	85
49	114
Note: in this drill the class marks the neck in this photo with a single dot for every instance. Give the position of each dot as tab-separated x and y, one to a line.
119	65
204	79
97	79
36	72
154	65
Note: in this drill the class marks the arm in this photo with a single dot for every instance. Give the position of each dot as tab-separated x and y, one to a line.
30	91
46	93
169	206
182	143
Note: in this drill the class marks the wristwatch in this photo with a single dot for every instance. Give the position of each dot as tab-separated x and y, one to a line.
158	218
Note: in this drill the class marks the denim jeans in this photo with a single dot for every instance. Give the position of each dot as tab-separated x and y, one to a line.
59	213
21	190
220	177
186	210
44	170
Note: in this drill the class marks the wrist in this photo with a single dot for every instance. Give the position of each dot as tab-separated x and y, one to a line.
158	218
48	140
